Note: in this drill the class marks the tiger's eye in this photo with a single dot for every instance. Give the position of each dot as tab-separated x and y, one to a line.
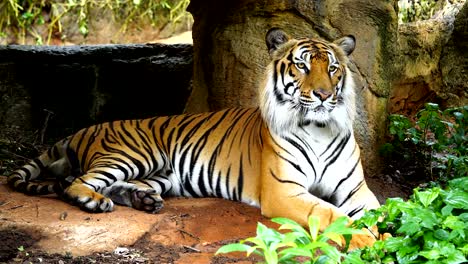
300	65
332	68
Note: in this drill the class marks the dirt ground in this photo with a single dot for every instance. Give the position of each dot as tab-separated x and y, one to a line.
47	230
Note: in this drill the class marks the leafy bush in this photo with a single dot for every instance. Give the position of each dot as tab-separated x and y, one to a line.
431	227
437	140
23	17
277	247
414	10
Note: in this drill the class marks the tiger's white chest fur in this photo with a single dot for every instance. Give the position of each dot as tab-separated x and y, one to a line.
327	160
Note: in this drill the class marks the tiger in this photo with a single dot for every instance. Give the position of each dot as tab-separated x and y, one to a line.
293	156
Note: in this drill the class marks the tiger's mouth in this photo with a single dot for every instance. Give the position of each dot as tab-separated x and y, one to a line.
315	107
321	108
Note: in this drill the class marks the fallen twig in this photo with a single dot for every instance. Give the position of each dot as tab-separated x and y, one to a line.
192	248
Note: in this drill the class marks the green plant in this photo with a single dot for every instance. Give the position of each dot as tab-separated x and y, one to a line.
276	247
20	18
436	137
431	227
23	251
414	10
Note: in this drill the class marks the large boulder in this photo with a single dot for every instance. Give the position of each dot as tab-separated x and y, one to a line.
432	62
230	54
48	92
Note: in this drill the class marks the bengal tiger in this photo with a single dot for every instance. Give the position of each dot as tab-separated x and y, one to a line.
293	156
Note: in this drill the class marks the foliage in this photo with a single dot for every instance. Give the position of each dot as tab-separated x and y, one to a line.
431	227
437	137
23	17
414	10
276	247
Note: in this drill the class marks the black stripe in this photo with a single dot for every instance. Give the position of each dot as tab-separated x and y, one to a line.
188	187
135	146
347	176
285	181
304	153
335	154
182	158
329	146
90	140
240	181
296	166
144	137
355	211
228	176
26	172
217	188
194	129
136	150
358	186
305	143
162	185
201	183
108	175
135	161
89	184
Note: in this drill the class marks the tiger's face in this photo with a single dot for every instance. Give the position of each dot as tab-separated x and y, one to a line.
309	83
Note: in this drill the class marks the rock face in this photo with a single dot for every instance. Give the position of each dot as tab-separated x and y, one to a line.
230	54
454	62
54	91
432	62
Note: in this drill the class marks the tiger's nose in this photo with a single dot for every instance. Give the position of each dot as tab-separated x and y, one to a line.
322	94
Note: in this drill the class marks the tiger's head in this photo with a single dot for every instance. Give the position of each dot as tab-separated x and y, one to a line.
308	83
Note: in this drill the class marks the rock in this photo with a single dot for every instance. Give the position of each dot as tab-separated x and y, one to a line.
54	91
230	54
432	64
454	63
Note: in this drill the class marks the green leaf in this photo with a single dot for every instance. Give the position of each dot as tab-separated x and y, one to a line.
271	257
83	29
430	254
447	210
463	217
294	252
331	252
409	228
441	234
292	225
232	248
427	197
432	106
393	244
337	238
453	222
353	258
314	227
458	199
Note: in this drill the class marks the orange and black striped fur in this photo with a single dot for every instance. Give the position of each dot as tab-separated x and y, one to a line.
294	156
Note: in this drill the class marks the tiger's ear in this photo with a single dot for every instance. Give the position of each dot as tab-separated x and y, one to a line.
347	44
274	38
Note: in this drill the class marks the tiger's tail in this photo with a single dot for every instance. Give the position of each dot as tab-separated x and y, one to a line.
29	178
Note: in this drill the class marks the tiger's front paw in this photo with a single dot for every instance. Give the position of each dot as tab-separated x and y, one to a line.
87	199
147	200
362	240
